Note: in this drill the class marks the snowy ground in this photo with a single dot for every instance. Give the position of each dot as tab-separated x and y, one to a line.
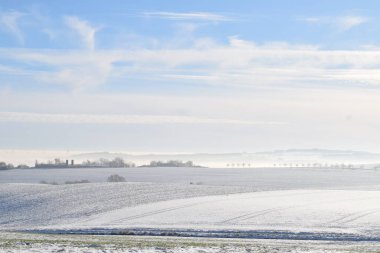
191	210
35	205
322	211
259	178
22	242
334	217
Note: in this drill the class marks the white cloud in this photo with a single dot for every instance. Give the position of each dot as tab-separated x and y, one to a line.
120	119
348	22
201	16
8	70
84	29
78	70
343	23
238	63
9	20
79	77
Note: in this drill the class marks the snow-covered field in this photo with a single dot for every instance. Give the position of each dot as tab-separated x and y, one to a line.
35	205
21	242
259	178
324	212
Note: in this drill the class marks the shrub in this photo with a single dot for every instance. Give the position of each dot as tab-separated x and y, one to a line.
115	178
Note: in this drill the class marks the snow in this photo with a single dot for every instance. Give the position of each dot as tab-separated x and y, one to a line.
322	211
20	243
192	210
93	249
31	205
259	178
225	205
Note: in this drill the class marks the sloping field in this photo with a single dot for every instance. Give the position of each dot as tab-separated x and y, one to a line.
31	205
261	214
190	210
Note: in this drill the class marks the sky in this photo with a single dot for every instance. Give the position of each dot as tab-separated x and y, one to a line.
189	76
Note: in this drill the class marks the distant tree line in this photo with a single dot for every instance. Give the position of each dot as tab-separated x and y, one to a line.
172	163
114	163
9	166
100	163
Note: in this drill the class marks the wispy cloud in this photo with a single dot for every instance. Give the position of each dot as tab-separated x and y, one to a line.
238	63
201	16
120	119
9	21
86	31
349	22
78	77
78	70
343	23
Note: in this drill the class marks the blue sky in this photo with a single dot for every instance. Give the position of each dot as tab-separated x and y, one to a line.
194	76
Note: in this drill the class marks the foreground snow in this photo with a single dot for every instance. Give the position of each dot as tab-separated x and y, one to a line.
93	249
21	242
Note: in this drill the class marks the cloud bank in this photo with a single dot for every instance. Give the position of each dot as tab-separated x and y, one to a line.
23	117
239	63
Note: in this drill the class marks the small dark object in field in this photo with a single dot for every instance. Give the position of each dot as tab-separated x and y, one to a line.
115	178
77	182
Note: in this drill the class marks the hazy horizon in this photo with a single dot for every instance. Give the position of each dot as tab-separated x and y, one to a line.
265	158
